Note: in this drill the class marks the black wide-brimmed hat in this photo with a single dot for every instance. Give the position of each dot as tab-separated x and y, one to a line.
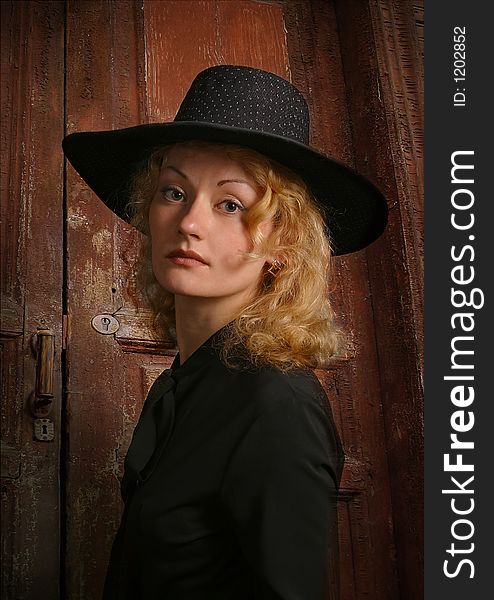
247	107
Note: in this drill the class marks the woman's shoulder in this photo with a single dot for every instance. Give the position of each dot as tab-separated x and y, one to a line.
289	414
274	390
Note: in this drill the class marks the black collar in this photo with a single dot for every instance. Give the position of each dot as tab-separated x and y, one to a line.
200	357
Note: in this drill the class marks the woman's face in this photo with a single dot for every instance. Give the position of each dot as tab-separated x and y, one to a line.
198	234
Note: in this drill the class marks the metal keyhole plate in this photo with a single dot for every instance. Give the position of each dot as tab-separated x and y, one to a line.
105	324
44	430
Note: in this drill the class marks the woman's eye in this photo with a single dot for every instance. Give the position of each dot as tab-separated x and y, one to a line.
231	206
173	194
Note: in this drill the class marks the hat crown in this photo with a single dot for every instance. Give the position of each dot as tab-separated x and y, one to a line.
247	98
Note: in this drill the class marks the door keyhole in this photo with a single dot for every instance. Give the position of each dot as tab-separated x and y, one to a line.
44	430
105	324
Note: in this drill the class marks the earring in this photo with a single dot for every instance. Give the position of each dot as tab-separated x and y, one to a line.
275	267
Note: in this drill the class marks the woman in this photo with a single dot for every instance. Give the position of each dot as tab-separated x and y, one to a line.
231	477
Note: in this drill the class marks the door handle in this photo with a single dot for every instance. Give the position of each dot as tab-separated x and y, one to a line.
44	346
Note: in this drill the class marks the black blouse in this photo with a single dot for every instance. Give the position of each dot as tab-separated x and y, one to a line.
229	487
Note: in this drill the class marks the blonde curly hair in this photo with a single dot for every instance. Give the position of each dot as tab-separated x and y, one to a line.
290	321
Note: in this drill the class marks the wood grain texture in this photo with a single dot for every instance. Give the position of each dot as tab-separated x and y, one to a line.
181	40
401	72
105	89
137	334
382	66
32	226
183	37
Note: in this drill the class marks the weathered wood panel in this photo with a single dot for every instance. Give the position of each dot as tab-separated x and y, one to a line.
200	34
105	89
381	53
31	289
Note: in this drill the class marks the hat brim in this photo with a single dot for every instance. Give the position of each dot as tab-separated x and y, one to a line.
355	210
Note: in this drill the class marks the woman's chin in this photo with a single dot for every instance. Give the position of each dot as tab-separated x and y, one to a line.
183	288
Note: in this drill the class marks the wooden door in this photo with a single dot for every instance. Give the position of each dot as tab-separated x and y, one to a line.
128	62
32	121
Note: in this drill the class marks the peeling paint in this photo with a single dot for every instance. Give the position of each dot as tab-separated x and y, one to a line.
94	281
76	218
101	240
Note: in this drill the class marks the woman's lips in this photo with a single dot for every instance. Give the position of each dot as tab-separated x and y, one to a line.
186	258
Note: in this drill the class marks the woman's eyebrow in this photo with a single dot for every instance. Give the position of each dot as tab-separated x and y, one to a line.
223	181
176	171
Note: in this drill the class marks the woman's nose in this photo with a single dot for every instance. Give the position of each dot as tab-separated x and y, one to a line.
195	218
